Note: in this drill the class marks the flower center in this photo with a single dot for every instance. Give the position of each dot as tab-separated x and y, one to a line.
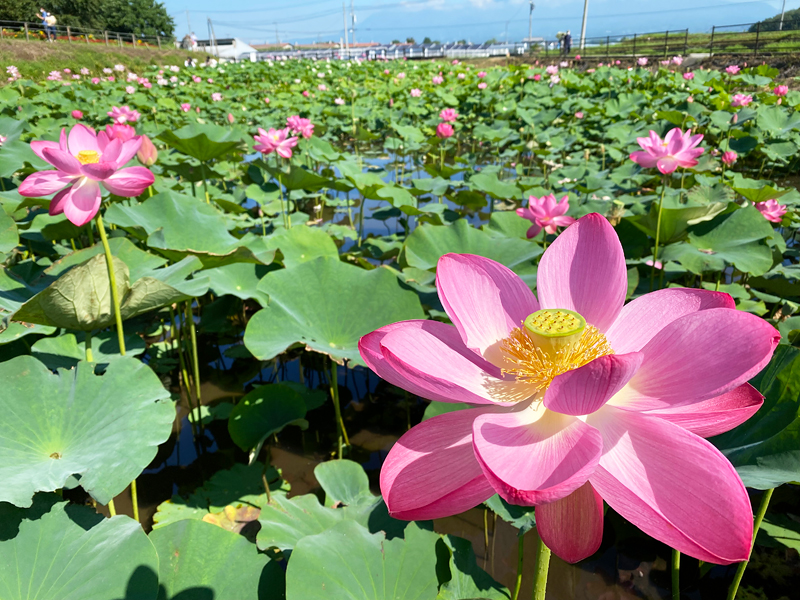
88	157
551	342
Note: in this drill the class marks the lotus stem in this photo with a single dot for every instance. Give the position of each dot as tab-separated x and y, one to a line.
341	432
112	280
520	547
135	501
112	510
195	359
184	372
91	234
205	183
542	566
87	342
676	575
361	221
762	510
658	231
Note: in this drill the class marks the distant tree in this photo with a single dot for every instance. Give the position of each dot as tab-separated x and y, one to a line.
461	42
791	20
410	40
393	41
436	42
491	41
142	17
427	40
18	10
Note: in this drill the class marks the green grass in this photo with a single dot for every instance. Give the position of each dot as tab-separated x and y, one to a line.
36	58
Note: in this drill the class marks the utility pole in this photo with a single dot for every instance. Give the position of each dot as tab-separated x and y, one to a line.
344	20
783	9
352	24
583	26
214	47
530	22
188	22
277	35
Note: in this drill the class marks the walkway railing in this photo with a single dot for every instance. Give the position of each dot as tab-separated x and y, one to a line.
22	30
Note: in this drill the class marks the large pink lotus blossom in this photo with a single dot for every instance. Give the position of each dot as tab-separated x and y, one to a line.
416	93
741	100
300	125
642	61
732	69
444	130
84	161
688	76
437	79
729	157
551	69
546	213
482	85
448	114
771	210
781	90
123	133
481	74
677	149
577	399
275	140
123	115
186	107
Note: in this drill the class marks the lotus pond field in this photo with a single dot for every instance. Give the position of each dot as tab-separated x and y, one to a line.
399	331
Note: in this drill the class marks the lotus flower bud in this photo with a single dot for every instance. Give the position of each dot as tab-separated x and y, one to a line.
147	154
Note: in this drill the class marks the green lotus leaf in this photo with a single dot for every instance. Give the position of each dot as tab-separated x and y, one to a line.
189	555
302	243
777	120
428	243
466	579
239	279
327	305
81	298
239	486
490	184
65	351
15	154
139	262
349	562
677	218
737	239
204	141
71	553
298	178
521	517
178	225
765	449
344	482
262	412
779	531
9	235
106	429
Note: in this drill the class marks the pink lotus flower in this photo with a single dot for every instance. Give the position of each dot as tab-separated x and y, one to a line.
299	125
482	85
266	100
537	77
614	410
461	75
551	70
545	213
401	75
84	161
677	149
771	210
147	154
322	87
690	99
781	90
275	140
741	100
386	71
76	114
579	115
123	115
677	60
688	76
729	157
642	61
130	89
3	139
186	107
481	74
216	97
448	114
339	101
577	57
231	118
123	133
732	69
305	93
444	130
437	79
95	80
416	93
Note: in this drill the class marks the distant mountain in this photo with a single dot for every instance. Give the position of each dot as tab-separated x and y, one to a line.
479	20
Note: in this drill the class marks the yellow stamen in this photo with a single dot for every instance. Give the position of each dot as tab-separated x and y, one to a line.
537	367
88	157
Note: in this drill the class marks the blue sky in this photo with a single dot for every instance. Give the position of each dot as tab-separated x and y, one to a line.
256	21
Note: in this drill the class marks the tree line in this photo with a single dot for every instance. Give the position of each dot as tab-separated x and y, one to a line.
140	17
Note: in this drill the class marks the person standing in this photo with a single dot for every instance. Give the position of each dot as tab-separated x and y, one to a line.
567	43
194	42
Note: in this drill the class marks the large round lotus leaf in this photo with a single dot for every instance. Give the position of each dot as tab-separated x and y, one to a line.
428	243
298	178
204	141
239	279
348	561
9	236
344	482
106	429
68	349
262	412
302	243
467	579
202	561
738	239
765	449
81	298
327	305
139	262
71	553
178	225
